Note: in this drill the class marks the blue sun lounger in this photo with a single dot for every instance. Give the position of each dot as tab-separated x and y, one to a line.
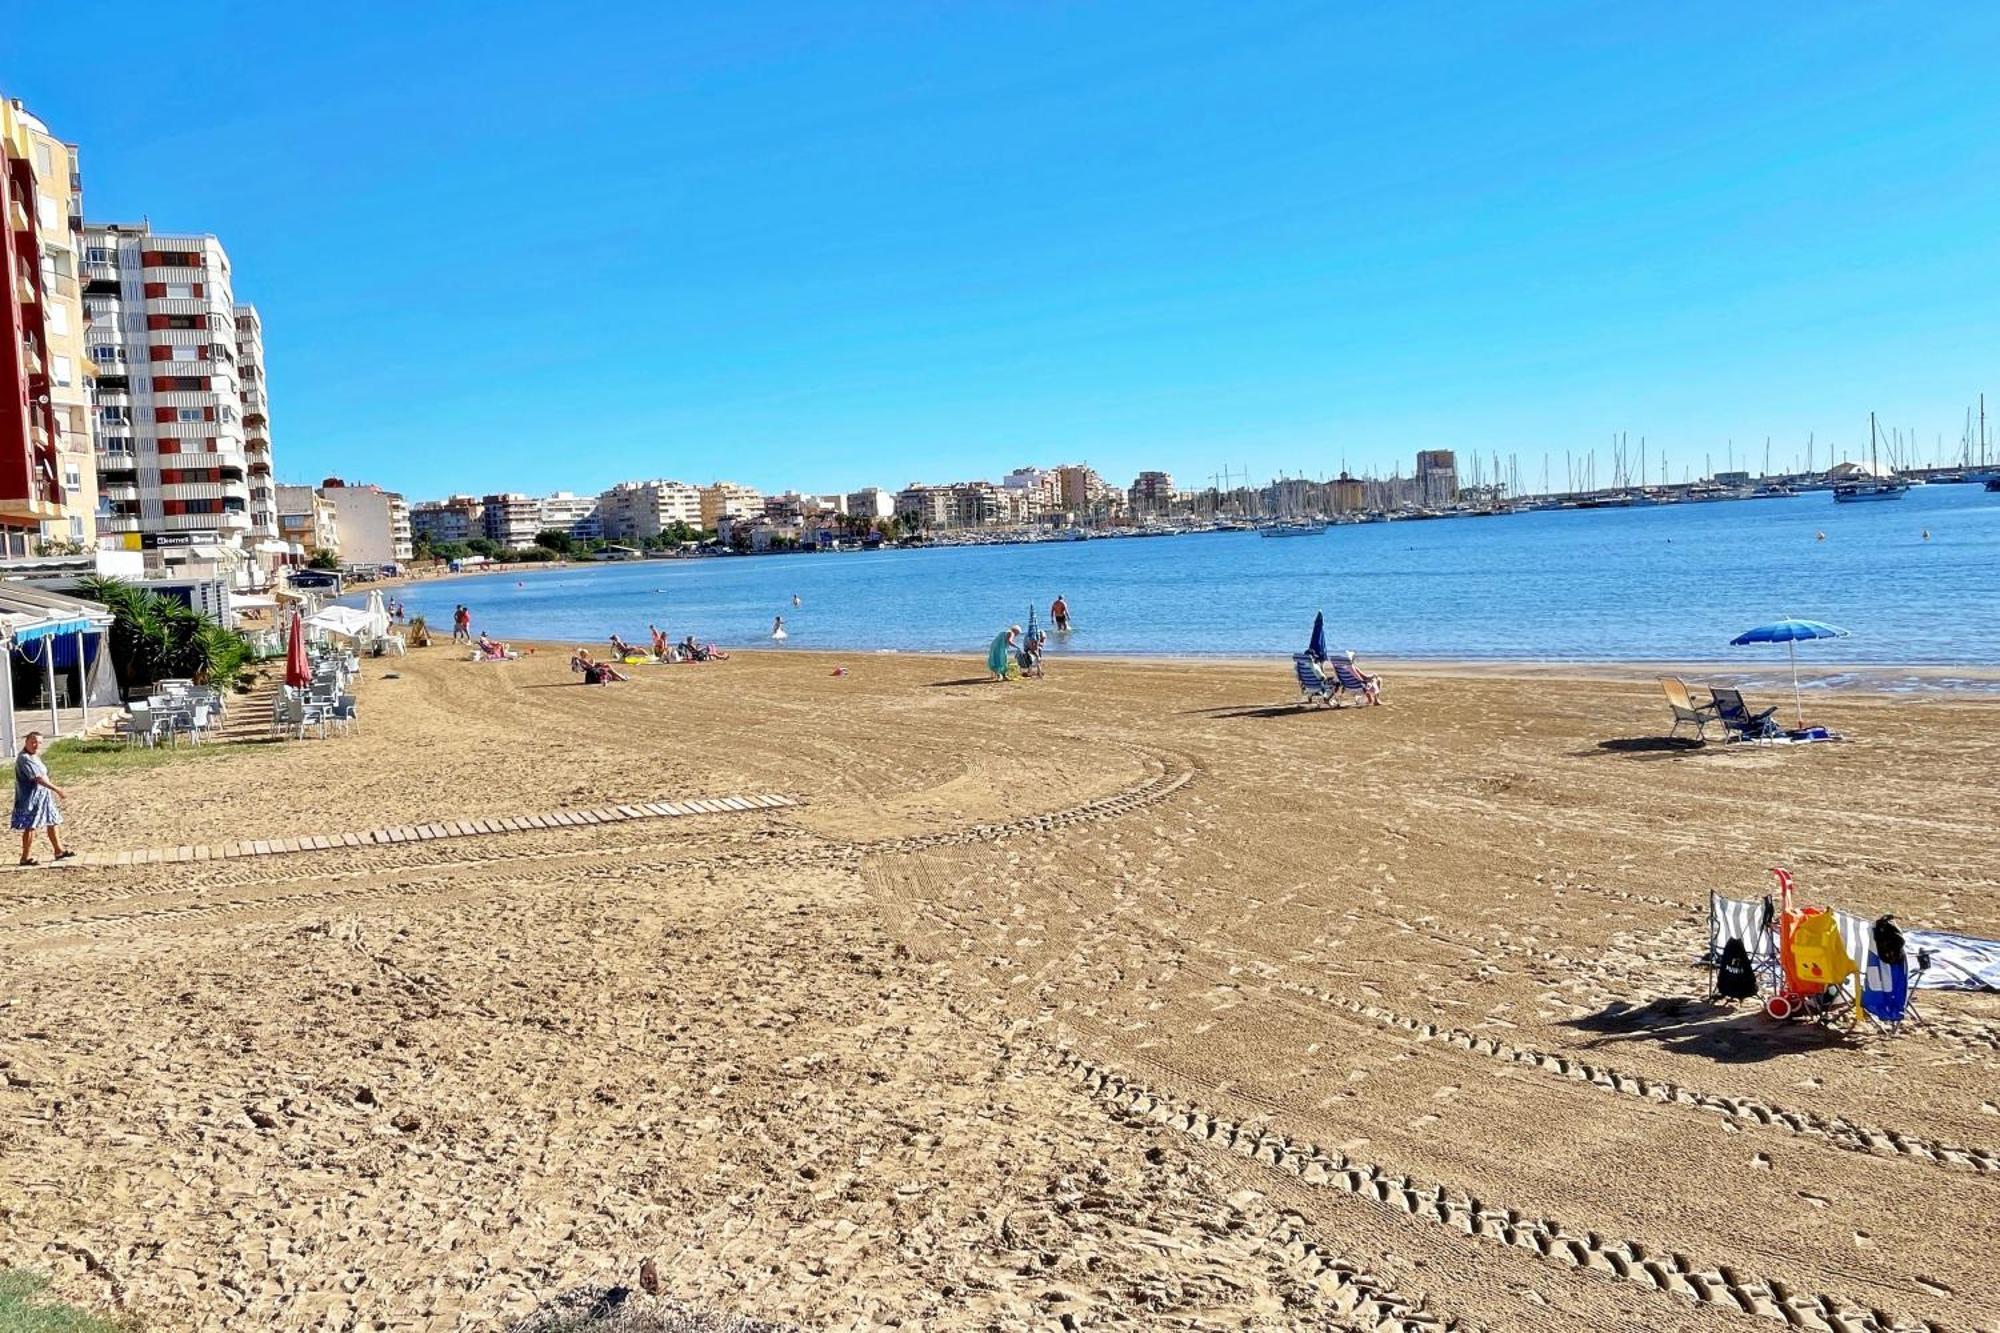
1314	687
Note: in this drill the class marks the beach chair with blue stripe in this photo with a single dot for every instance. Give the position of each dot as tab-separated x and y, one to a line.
1749	920
1350	681
1314	687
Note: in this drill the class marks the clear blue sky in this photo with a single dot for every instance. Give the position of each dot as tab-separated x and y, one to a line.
826	245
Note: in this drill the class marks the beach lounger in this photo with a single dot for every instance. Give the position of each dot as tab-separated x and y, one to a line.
1686	710
1349	681
1739	722
1314	687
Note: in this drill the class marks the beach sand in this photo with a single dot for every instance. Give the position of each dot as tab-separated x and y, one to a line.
1132	998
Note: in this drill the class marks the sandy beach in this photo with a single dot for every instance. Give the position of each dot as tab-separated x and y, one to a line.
1133	998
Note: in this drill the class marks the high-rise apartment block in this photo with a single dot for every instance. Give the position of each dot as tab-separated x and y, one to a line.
1152	492
256	422
45	439
172	458
451	521
510	520
1437	477
574	514
726	499
638	510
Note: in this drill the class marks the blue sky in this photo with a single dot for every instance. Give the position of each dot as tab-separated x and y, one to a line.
829	245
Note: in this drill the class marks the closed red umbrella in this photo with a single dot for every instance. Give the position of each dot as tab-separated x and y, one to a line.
298	674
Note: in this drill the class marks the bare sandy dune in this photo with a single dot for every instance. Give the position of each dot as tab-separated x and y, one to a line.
1132	998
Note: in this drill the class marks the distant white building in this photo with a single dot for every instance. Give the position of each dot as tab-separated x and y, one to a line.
574	514
871	502
637	510
374	524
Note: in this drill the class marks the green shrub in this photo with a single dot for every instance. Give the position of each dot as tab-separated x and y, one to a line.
24	1308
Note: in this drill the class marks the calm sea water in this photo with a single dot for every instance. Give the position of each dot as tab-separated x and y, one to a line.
1665	582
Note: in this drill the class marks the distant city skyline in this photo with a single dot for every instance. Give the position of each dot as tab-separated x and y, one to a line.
805	249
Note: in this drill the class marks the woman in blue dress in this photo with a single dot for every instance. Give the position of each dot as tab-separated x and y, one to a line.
35	800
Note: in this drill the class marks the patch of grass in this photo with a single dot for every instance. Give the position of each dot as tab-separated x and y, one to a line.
75	760
25	1309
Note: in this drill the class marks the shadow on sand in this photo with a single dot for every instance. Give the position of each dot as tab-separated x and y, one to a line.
1707	1029
1646	747
1268	710
969	680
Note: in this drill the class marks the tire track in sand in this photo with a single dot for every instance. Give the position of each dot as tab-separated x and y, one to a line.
1670	1272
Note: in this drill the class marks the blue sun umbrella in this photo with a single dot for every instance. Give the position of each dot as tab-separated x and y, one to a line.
1316	647
1790	633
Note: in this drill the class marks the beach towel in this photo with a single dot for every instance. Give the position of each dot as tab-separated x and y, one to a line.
1957	962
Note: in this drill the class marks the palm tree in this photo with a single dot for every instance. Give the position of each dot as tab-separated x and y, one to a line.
157	638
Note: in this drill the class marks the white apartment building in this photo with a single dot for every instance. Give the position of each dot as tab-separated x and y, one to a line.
256	422
574	514
637	510
871	502
374	524
511	520
167	401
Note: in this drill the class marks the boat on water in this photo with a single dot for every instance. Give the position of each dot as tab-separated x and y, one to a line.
1772	489
1297	527
1875	486
1993	483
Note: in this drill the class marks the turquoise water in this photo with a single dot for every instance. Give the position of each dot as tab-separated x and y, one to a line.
1672	582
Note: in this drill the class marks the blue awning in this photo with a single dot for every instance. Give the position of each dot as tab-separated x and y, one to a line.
29	633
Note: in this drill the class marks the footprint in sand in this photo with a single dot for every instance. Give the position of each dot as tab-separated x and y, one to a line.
1423	1120
1863	1241
1813	1199
1930	1284
1760	1163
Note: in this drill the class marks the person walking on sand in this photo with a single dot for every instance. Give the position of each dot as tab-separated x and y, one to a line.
461	624
35	800
1059	613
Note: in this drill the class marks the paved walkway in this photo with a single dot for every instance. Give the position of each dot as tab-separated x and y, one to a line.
452	828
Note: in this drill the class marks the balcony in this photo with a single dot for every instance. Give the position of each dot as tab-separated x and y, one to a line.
118	490
204	490
232	522
24	287
186	305
19	215
116	522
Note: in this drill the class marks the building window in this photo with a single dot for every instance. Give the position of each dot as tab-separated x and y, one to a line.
72	477
76	527
98	254
63	370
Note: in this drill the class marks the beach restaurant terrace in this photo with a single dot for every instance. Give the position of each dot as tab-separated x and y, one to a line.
59	667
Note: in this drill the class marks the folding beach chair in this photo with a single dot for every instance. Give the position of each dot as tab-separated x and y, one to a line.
1314	687
1351	681
1686	710
1745	922
1739	722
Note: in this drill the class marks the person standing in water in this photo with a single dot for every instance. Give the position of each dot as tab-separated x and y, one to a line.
1059	613
796	603
777	627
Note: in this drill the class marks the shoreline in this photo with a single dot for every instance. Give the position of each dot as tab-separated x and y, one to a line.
1930	679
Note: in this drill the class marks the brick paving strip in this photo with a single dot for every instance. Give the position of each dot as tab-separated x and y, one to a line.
453	828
